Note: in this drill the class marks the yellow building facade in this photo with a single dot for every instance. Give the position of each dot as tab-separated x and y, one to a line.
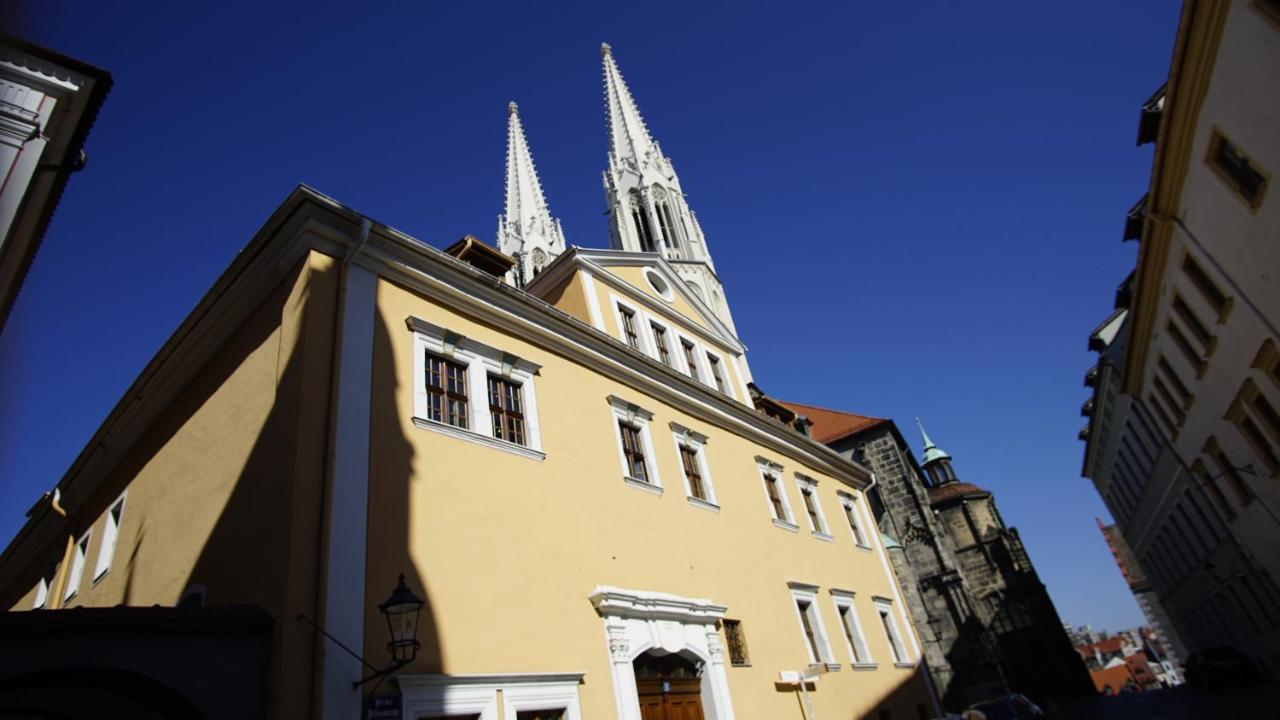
598	526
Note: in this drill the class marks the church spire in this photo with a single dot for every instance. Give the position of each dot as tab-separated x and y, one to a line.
935	461
630	142
526	230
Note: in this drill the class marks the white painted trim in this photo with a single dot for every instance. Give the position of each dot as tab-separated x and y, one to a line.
79	556
632	414
477	438
809	594
724	372
697	442
42	593
344	599
649	275
593	300
636	621
897	648
859	652
804	482
110	535
853	516
768	467
481	361
434	695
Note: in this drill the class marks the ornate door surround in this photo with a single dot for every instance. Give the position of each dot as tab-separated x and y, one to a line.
637	621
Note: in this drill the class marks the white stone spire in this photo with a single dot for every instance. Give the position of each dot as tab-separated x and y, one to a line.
647	208
526	230
629	138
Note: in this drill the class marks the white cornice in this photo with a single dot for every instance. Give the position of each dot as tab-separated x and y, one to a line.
649	605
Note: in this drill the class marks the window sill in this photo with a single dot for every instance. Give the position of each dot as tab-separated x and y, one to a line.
704	504
832	667
642	485
864	666
477	438
786	525
98	578
863	547
823	536
904	665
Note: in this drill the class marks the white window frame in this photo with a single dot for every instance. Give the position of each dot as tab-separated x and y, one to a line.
481	361
702	373
636	416
724	373
653	340
110	534
853	515
847	613
641	320
769	468
436	695
804	482
697	442
804	592
42	593
78	559
897	647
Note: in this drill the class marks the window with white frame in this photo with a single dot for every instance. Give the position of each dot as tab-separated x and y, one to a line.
805	599
661	344
812	508
110	531
779	507
635	444
884	608
469	390
77	566
43	586
716	367
853	515
690	448
855	639
689	351
519	696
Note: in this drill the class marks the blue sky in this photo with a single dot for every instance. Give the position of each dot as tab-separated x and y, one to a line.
916	208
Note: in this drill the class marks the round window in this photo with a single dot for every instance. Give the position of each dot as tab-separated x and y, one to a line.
659	284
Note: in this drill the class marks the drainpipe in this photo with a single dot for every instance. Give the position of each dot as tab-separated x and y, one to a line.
335	357
54	599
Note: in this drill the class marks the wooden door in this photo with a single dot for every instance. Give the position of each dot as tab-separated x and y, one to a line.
668	688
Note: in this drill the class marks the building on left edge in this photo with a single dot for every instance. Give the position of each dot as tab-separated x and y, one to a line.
48	103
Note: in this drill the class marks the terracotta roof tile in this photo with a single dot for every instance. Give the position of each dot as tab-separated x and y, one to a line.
951	490
831	425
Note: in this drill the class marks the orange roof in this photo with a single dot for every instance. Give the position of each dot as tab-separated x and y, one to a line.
949	491
831	425
1113	677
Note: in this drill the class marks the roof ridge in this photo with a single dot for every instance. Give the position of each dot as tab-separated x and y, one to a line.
831	410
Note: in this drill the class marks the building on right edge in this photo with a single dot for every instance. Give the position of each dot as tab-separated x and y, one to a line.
1183	434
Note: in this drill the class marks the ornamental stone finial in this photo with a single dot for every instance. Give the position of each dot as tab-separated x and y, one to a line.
605	50
512	107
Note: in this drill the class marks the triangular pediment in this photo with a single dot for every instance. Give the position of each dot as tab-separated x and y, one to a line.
646	277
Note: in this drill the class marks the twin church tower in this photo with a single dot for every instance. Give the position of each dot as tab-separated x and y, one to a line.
647	208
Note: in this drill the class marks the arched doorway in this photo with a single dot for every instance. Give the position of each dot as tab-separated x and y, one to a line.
669	687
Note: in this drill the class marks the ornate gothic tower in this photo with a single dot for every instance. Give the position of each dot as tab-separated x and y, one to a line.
647	208
526	230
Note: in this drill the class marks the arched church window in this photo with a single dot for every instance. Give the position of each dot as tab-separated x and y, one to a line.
641	222
666	221
539	259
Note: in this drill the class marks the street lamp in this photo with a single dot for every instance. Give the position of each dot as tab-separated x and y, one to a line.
401	611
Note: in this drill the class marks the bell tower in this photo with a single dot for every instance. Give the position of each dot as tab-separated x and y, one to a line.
647	208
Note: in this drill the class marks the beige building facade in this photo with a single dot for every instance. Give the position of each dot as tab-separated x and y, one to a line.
630	519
